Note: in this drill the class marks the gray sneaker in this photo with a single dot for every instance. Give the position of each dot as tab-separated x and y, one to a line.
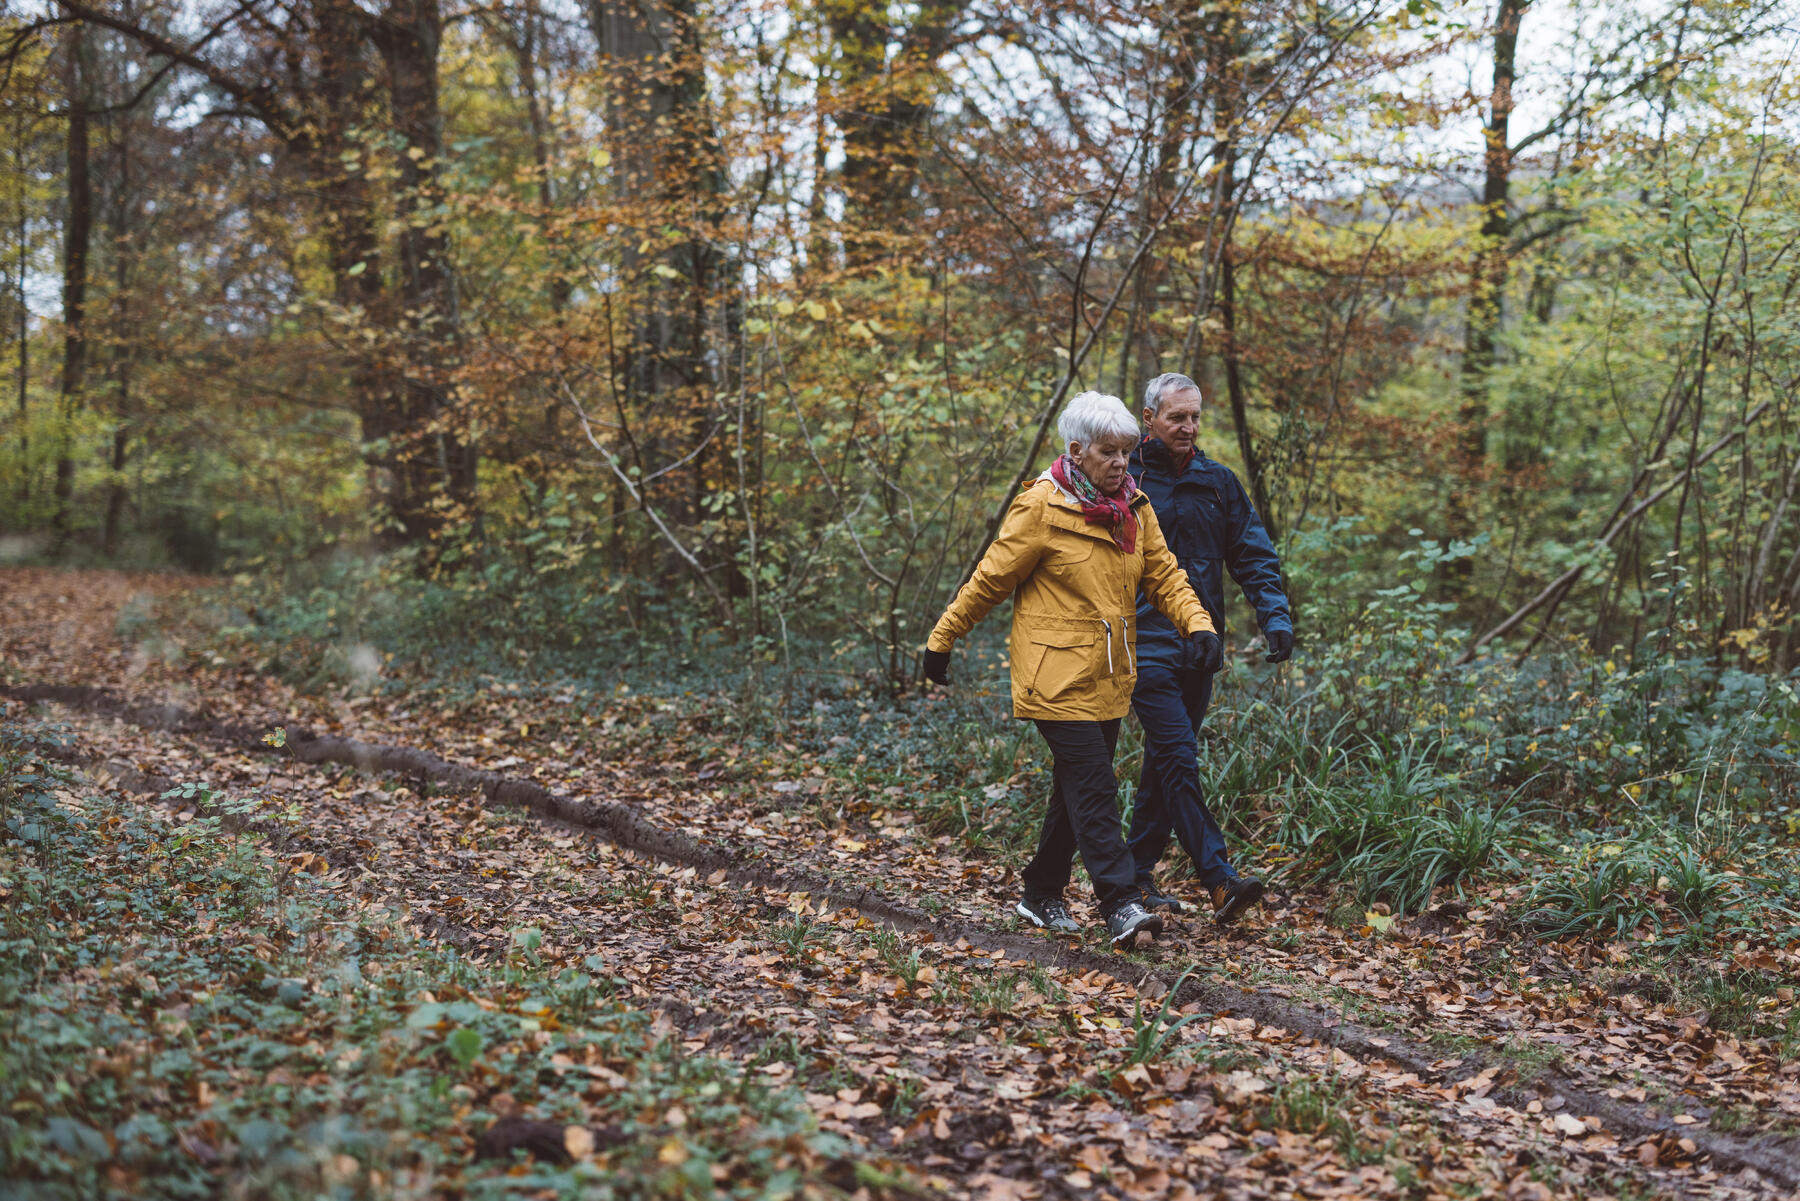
1128	919
1047	913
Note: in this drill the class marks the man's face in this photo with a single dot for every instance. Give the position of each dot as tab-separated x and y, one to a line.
1177	421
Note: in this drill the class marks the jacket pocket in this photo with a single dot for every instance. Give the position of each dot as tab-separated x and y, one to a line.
1060	660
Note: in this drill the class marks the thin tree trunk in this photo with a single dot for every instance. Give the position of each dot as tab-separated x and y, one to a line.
1234	391
24	267
1488	275
77	232
121	214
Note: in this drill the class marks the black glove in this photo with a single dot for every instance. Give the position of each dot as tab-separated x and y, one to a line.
937	666
1205	652
1281	645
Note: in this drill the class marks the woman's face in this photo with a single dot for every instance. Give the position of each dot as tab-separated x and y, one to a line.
1104	460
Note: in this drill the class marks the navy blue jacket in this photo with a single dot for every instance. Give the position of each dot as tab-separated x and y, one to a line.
1212	527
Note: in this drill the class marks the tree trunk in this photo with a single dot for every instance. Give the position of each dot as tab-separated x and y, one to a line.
668	176
1223	85
434	464
524	40
24	269
347	214
1234	391
884	107
1488	275
77	231
121	336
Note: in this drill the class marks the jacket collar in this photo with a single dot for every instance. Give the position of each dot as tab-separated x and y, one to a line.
1198	463
1198	473
1060	493
1064	499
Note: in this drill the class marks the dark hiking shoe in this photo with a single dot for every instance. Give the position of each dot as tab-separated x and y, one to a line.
1047	913
1232	899
1130	919
1155	898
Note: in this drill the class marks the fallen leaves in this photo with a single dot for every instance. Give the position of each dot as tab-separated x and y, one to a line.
999	1090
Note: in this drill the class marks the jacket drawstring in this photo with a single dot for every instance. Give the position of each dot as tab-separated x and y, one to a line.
1109	663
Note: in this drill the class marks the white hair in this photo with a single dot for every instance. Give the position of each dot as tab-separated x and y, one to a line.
1168	381
1094	415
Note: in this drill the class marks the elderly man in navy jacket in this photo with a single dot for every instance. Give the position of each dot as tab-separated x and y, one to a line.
1211	526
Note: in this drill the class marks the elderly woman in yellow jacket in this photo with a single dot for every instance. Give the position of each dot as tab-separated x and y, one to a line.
1072	551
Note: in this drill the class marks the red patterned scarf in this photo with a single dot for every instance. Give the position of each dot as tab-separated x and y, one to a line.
1113	511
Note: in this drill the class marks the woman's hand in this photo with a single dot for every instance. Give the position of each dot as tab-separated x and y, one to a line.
937	666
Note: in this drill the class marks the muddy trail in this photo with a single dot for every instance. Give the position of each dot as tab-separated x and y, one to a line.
871	968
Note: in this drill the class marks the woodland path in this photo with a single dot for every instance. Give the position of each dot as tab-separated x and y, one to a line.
826	940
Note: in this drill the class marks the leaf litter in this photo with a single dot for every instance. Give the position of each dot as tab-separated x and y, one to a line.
981	1075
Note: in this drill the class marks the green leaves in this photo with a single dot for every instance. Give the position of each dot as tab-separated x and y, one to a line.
465	1045
156	1030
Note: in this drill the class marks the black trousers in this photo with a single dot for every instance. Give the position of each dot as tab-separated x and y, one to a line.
1083	815
1172	704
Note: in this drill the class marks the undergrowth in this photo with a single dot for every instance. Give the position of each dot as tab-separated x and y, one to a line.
181	1021
1375	766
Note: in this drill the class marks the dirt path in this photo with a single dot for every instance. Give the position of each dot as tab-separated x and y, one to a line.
996	1062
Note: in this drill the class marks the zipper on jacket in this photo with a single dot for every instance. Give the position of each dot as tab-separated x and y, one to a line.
1130	659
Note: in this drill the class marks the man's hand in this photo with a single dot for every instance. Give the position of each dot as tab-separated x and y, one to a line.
1281	645
937	666
1205	652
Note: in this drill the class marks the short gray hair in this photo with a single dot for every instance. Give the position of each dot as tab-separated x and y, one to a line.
1094	415
1166	382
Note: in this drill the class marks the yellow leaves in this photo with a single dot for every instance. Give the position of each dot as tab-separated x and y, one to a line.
599	156
815	310
1380	923
310	863
578	1141
276	737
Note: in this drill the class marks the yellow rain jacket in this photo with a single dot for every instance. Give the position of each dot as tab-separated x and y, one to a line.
1074	620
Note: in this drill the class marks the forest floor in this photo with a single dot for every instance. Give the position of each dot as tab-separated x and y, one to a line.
822	940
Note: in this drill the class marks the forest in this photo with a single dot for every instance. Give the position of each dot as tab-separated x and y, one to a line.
476	482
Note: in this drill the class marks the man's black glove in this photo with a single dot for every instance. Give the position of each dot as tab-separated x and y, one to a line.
1281	645
937	666
1205	653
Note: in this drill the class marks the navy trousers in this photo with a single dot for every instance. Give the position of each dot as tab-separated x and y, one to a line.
1083	815
1171	705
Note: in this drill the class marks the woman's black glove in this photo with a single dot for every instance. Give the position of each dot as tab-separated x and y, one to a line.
1281	645
1205	652
937	666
